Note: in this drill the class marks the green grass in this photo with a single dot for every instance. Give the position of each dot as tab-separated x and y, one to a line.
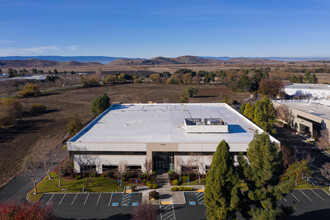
97	184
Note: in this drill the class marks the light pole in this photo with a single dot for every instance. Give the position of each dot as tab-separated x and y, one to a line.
83	189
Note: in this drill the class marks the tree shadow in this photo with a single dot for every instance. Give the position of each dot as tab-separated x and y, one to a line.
26	126
317	214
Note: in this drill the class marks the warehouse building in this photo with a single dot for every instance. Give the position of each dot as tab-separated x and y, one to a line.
167	135
308	116
319	91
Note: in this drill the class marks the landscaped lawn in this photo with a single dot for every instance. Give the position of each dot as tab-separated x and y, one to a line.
97	184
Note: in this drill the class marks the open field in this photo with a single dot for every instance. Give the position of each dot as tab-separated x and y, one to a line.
16	142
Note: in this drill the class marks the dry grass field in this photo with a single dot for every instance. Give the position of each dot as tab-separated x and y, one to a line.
16	142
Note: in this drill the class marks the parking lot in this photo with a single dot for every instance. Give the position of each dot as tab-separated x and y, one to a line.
93	205
311	203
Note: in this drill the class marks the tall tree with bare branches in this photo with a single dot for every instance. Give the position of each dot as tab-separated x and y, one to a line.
122	167
148	167
48	150
31	164
325	171
284	114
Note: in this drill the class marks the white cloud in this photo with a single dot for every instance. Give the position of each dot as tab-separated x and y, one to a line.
74	47
27	51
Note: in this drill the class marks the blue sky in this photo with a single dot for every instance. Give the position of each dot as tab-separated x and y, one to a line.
139	28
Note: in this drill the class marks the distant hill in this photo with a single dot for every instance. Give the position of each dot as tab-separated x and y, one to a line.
164	61
82	59
29	63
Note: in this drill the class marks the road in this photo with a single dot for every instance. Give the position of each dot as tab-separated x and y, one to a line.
18	188
289	139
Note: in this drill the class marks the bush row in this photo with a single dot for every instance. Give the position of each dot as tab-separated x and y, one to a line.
182	188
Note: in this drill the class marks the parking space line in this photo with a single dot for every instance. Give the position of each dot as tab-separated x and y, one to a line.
306	196
86	199
50	199
285	199
295	197
74	199
317	195
62	199
110	199
98	199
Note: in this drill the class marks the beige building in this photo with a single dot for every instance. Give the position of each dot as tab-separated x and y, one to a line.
308	116
168	135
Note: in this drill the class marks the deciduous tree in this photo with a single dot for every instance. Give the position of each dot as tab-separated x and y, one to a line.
26	211
74	125
31	164
325	171
144	211
122	168
10	110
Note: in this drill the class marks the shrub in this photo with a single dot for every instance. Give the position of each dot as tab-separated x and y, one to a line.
100	104
74	125
78	177
173	175
38	108
144	181
189	91
110	174
89	81
10	110
181	188
110	79
148	183
184	179
175	182
102	175
30	90
154	195
26	210
152	186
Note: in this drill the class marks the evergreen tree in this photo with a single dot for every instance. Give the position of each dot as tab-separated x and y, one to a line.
265	115
249	111
262	176
222	193
100	104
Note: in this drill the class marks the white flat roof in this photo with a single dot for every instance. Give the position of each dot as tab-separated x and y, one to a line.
164	123
308	106
308	86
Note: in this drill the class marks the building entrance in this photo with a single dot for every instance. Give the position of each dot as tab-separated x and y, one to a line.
162	161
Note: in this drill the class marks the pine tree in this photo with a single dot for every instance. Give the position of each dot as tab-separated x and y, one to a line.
100	104
222	193
249	111
262	176
265	115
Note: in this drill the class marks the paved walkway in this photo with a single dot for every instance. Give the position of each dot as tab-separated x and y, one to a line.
165	193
